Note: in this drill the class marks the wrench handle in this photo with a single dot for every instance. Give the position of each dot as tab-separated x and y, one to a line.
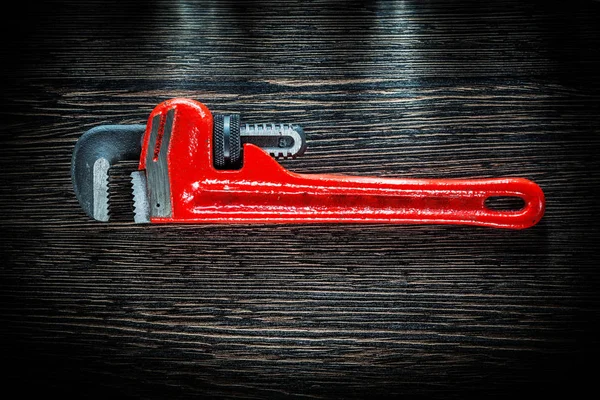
419	201
262	191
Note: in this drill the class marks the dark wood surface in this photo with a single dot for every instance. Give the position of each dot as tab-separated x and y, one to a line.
407	89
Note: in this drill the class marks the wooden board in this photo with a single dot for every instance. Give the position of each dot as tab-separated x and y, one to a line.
406	89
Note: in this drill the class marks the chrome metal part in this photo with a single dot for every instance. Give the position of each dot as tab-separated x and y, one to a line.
94	153
141	207
279	140
157	171
100	185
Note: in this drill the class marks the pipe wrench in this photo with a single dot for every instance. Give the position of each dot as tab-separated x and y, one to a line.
200	167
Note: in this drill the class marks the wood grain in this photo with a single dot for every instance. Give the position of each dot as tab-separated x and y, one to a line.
411	89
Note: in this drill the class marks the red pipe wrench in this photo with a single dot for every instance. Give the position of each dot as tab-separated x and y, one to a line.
198	168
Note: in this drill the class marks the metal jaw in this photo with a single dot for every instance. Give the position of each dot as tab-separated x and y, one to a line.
94	153
157	170
151	190
101	147
141	207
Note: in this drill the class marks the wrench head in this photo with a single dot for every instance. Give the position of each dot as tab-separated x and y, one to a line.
95	151
103	146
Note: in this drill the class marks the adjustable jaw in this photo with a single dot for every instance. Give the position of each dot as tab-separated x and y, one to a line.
194	167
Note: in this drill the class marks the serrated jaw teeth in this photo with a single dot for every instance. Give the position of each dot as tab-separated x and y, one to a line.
100	171
141	207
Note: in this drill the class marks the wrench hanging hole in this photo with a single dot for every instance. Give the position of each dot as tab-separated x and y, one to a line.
504	203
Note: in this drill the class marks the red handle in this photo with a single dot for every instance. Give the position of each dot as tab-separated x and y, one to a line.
415	201
264	192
